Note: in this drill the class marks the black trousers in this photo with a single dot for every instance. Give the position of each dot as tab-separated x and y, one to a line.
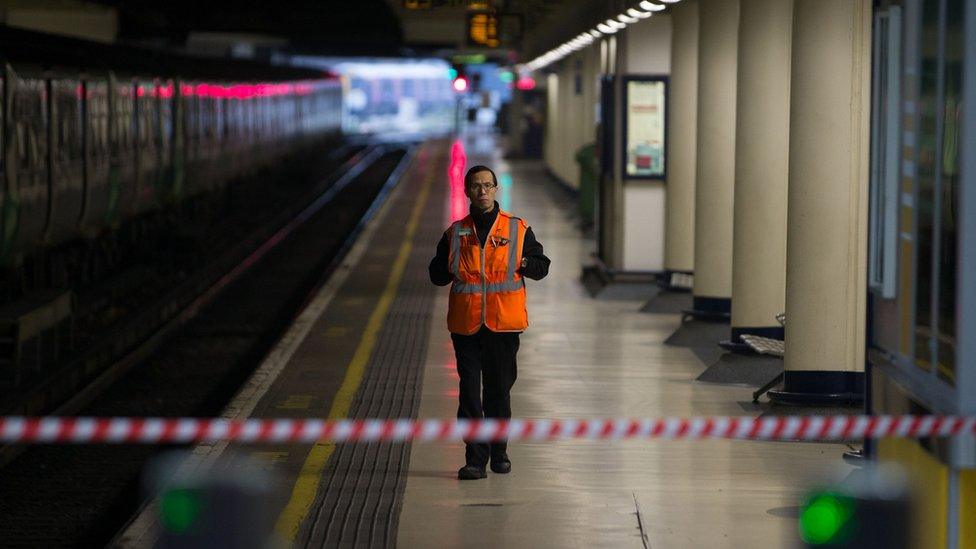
486	358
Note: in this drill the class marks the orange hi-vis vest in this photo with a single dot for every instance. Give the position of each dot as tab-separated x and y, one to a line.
487	288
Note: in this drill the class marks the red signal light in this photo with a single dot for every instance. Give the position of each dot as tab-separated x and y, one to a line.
460	84
525	83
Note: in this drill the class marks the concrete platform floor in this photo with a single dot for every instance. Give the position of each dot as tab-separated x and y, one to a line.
585	358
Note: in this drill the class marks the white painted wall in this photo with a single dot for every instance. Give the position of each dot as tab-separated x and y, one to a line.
643	225
648	46
647	50
643	48
571	119
552	137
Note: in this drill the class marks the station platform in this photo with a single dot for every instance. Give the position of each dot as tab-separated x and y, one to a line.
373	343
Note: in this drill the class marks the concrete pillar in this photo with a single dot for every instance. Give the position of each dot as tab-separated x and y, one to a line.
826	260
761	168
715	167
679	213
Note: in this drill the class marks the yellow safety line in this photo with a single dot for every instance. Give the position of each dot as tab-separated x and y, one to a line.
307	485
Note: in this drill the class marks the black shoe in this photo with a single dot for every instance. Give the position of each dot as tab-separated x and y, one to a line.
501	464
471	472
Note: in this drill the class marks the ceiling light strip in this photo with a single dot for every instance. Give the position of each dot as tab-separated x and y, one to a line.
643	10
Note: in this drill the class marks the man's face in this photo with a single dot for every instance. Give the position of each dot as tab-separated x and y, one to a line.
481	190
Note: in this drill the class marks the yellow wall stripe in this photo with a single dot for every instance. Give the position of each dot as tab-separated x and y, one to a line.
307	485
967	509
930	490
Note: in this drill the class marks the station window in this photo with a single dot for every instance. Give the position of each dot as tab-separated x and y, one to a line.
925	199
951	112
938	174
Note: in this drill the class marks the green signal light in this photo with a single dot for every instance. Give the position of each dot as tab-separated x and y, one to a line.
826	519
506	76
179	510
452	73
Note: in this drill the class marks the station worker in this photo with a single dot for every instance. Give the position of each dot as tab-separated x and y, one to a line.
486	257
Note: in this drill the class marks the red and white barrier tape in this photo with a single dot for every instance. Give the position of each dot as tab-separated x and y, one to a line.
84	430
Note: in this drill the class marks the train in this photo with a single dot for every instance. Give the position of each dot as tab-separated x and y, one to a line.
94	135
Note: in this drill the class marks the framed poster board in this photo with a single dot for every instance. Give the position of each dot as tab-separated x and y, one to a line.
645	126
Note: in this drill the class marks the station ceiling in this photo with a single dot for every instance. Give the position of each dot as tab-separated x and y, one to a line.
333	27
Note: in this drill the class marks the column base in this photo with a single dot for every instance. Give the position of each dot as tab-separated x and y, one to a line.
710	308
814	387
736	345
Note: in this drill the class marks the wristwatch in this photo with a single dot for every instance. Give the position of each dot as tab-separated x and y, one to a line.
525	262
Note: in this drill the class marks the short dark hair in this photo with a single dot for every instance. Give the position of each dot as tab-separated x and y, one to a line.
478	169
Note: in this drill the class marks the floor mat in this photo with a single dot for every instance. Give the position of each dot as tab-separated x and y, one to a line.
666	302
699	333
738	369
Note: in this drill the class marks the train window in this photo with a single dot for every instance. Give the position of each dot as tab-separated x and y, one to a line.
164	114
191	119
21	143
126	122
33	158
97	117
30	115
209	119
148	117
67	137
214	127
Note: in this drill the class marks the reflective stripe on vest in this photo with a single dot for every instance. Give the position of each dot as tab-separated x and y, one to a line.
513	261
507	286
456	248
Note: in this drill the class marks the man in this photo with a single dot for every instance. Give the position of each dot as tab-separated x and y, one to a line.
486	257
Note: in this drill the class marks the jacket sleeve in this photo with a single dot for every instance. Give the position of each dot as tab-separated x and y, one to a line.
438	269
536	262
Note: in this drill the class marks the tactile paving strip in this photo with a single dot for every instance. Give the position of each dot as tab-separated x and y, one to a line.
360	498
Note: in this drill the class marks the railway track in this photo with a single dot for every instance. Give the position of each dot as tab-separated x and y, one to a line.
192	363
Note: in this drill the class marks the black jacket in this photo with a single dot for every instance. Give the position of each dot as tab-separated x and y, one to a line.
536	263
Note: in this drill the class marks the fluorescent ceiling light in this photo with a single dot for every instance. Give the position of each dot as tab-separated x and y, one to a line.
647	6
606	29
638	13
624	18
595	33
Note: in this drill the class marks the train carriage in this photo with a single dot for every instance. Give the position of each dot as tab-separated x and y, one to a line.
66	190
87	147
101	184
123	167
25	199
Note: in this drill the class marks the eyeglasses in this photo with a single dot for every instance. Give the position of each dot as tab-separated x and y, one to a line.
486	188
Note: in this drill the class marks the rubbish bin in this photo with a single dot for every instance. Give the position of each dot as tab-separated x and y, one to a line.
589	172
